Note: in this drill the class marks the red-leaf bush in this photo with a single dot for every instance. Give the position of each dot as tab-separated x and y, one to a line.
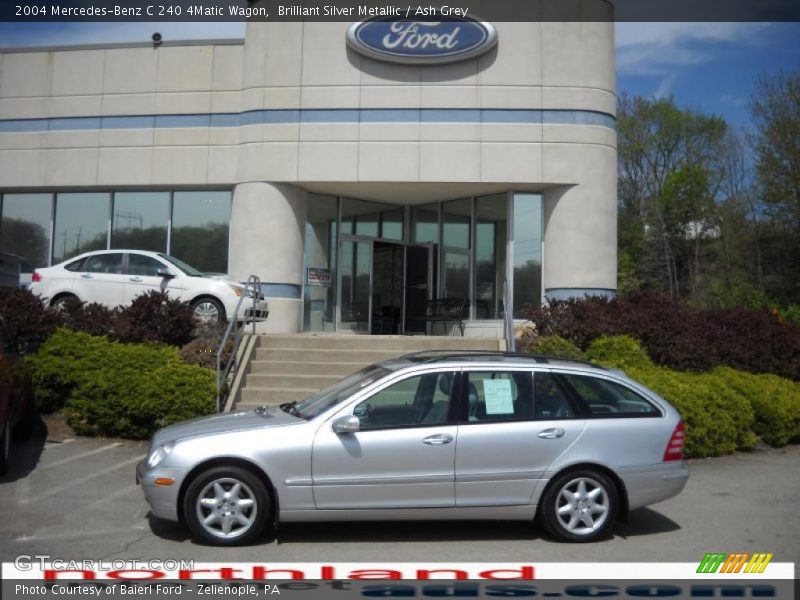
155	317
29	321
676	335
89	317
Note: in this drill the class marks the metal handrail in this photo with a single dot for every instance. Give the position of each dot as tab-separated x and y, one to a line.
508	321
252	289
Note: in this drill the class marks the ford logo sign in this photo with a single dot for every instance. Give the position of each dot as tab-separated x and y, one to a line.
421	42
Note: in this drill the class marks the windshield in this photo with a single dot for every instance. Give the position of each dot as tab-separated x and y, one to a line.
188	269
322	401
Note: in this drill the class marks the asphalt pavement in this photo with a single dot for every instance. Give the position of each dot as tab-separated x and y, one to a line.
77	499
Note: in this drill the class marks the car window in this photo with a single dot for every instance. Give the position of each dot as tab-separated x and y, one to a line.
550	401
339	391
606	398
139	264
75	265
104	263
515	396
499	396
418	401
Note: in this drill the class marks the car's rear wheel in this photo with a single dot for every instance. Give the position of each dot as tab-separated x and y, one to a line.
226	506
60	302
579	506
208	311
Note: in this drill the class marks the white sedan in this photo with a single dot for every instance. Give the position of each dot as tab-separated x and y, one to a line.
116	277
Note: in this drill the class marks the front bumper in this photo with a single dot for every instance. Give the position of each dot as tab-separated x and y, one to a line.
163	499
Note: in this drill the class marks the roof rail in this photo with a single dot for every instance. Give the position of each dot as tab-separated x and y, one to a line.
431	356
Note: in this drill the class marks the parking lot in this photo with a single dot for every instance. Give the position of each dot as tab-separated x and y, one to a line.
76	498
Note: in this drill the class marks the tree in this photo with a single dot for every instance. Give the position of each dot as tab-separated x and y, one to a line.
670	179
775	109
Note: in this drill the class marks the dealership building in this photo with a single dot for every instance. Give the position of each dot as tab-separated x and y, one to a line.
360	169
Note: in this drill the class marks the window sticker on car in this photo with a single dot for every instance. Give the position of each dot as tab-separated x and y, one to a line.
497	394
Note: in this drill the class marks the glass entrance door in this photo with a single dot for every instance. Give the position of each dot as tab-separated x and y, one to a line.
355	284
418	286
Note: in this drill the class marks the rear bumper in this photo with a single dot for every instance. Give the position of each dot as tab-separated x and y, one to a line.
653	483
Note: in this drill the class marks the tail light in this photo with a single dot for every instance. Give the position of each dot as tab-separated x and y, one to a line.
675	445
36	277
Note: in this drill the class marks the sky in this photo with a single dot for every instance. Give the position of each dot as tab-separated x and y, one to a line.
711	67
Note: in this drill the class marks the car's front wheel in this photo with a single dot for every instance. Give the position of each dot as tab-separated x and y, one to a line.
579	506
226	506
208	311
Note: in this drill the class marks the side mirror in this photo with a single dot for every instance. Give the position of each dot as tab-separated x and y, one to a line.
346	424
163	273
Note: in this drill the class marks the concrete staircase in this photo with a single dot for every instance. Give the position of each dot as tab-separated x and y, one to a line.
284	368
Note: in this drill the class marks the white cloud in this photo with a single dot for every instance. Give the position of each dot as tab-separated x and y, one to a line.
657	48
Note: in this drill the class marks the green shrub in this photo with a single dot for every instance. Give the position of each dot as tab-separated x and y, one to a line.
554	345
135	405
126	390
620	352
775	401
70	359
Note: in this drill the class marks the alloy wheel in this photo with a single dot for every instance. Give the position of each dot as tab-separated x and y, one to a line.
226	508
582	506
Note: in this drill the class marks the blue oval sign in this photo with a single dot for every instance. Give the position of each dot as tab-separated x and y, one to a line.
421	42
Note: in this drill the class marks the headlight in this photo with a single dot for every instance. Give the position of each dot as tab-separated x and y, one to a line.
159	454
236	289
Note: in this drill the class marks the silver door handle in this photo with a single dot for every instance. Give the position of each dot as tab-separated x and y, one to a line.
438	439
551	434
86	276
136	279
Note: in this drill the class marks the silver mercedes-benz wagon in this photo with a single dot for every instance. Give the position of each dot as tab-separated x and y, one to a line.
432	435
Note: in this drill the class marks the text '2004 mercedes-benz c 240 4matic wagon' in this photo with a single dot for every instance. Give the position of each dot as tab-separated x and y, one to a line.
427	436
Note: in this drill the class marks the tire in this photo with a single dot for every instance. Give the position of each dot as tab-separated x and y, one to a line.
5	448
579	506
62	300
208	311
208	511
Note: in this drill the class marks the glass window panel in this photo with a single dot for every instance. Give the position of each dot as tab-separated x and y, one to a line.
527	251
320	262
392	224
491	225
456	275
457	215
81	224
425	224
25	228
372	219
140	221
200	227
360	217
356	259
